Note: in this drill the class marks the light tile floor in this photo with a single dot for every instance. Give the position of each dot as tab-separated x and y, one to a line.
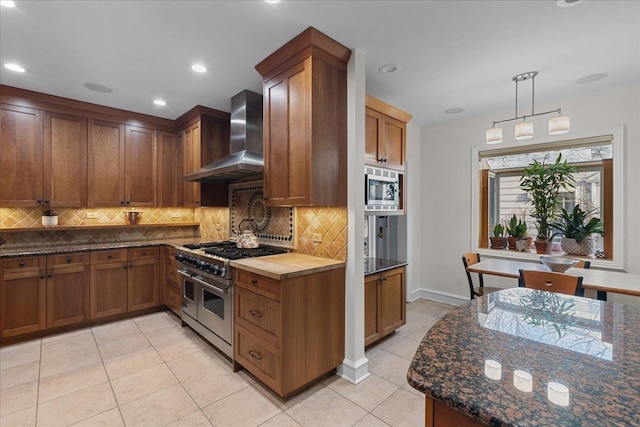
149	371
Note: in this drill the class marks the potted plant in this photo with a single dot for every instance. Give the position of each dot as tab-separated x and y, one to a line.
516	230
543	183
49	218
577	231
498	241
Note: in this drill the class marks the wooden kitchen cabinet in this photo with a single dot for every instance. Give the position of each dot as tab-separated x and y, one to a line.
385	134
23	295
170	186
108	283
288	333
385	308
122	167
21	156
305	122
67	289
172	281
191	161
143	290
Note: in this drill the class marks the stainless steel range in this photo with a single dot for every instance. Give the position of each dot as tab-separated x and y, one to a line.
207	288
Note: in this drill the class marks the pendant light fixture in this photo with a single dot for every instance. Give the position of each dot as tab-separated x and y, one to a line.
524	130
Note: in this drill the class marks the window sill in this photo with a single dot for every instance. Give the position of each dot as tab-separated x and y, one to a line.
531	255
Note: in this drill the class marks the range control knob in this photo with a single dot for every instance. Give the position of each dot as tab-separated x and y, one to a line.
179	257
221	271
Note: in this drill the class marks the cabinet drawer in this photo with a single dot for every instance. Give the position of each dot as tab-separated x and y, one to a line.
258	314
259	284
173	299
143	253
111	255
171	256
23	264
68	260
172	274
256	357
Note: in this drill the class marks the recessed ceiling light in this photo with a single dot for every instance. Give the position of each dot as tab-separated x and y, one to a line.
272	1
454	110
7	3
97	87
198	68
388	68
159	102
14	67
568	3
591	78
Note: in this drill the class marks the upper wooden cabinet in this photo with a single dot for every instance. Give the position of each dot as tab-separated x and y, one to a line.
169	170
305	122
122	165
21	156
385	134
191	160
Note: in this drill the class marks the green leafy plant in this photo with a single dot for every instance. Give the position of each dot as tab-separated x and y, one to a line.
516	228
498	230
543	182
49	212
574	226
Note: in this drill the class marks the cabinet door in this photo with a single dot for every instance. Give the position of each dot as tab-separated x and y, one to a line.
372	133
67	296
140	167
65	160
105	164
21	156
108	289
287	136
392	301
393	144
371	302
169	170
23	300
143	289
191	150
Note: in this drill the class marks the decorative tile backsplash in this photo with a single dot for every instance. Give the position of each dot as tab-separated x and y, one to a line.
331	223
214	223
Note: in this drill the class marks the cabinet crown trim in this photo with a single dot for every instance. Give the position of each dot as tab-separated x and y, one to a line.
387	109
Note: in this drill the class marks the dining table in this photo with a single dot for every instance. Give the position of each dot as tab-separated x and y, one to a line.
525	357
602	281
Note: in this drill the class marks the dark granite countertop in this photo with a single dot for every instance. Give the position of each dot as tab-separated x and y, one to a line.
56	249
377	265
582	356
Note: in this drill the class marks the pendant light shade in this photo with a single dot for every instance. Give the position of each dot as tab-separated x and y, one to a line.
494	136
559	125
524	130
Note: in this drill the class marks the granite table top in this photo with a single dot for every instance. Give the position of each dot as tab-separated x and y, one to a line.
378	265
521	357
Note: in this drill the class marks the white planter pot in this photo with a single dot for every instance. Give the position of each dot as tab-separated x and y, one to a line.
585	248
50	221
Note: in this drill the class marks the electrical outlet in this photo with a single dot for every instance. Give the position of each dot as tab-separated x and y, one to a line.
92	215
176	215
316	237
218	227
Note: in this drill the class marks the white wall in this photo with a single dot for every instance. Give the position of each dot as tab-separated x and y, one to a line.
446	185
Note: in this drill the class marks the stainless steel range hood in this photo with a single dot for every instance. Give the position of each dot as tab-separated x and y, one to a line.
246	159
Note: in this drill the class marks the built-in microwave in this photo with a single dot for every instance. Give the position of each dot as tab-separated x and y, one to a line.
381	189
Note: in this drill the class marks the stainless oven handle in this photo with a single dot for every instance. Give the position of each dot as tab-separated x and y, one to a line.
210	287
185	274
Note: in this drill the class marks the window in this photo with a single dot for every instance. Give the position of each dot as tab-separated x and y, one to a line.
499	195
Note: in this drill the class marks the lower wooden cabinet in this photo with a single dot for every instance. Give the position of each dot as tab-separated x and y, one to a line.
385	307
108	283
67	289
172	281
143	286
288	333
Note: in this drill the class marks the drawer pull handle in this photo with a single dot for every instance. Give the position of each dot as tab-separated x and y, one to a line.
50	275
255	313
69	259
144	254
21	264
109	256
42	276
125	266
254	282
255	354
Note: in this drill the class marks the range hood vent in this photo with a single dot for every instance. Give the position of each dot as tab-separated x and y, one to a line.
246	160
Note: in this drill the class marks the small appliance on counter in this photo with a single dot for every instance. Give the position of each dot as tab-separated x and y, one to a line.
246	239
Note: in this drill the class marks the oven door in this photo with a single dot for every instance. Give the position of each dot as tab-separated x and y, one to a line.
214	309
190	292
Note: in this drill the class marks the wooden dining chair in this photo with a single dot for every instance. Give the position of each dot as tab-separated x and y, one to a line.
468	259
552	282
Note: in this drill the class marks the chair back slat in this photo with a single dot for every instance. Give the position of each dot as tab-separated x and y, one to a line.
552	282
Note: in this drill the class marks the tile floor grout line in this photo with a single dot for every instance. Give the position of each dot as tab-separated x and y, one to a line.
115	399
38	392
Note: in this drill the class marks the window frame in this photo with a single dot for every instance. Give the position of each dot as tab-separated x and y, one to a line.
618	141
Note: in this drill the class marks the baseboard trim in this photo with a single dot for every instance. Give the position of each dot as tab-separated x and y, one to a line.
437	296
354	372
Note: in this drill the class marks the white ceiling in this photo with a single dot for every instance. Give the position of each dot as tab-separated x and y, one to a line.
452	53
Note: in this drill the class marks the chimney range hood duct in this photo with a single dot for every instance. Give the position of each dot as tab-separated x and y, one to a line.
246	160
